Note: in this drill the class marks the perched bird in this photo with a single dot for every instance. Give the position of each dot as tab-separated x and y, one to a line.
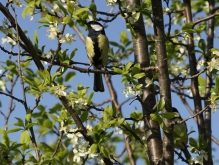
180	134
97	46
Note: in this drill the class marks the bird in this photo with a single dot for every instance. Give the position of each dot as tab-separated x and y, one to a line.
97	46
180	134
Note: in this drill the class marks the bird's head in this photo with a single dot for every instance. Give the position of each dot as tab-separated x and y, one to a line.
95	26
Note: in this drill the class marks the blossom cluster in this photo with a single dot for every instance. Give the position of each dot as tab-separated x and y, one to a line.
80	147
130	90
198	159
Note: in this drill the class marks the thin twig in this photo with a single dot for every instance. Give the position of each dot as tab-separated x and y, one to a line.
22	84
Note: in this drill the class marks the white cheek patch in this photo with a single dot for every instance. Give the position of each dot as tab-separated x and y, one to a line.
96	27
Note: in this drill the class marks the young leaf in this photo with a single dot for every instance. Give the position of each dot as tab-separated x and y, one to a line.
35	38
105	151
161	104
93	9
25	140
5	139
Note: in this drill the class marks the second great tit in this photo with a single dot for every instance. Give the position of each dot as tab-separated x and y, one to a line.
97	46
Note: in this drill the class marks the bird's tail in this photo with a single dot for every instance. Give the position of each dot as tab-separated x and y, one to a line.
98	82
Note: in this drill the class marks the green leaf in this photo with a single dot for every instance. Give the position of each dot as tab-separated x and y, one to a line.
28	115
128	65
89	98
68	20
28	126
193	142
84	116
123	37
62	154
169	115
107	114
57	74
129	26
14	130
73	53
47	123
27	11
163	126
200	28
117	70
81	10
214	50
187	27
47	147
93	9
139	75
136	69
156	117
70	7
55	118
5	139
19	122
160	104
201	81
94	148
217	83
105	151
35	37
106	137
61	7
69	76
202	45
25	140
113	108
136	114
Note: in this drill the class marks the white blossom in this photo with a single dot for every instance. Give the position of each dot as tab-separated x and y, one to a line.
111	2
191	161
17	2
8	40
132	8
200	63
80	150
53	31
216	53
167	9
213	105
88	127
189	92
139	124
55	8
2	85
118	131
199	160
203	154
129	90
79	103
67	38
60	90
63	127
9	77
213	64
148	82
74	135
101	162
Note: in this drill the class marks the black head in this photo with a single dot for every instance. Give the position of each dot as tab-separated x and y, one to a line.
95	26
175	110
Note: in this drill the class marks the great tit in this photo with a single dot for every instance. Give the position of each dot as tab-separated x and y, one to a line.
180	134
97	46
